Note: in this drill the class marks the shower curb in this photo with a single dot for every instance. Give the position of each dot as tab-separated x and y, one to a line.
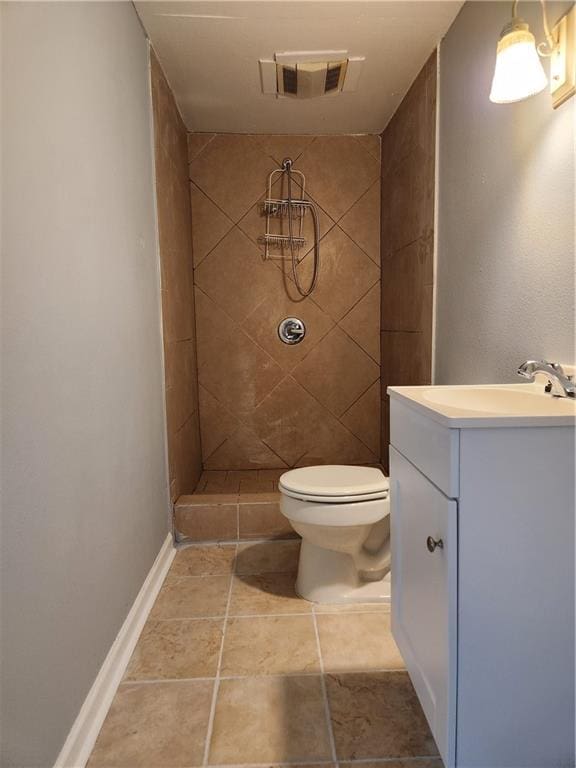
83	734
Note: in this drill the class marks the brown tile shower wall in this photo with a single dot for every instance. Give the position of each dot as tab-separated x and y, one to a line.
407	246
177	281
264	404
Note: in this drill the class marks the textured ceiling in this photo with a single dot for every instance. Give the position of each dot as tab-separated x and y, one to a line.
210	51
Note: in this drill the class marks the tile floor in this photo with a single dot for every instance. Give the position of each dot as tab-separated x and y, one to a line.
241	481
232	668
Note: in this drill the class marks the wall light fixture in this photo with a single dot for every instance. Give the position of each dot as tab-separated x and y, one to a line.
519	72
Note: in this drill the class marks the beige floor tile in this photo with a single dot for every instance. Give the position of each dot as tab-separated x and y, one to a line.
266	594
262	719
357	642
156	725
268	557
209	498
270	645
377	715
192	596
173	649
204	561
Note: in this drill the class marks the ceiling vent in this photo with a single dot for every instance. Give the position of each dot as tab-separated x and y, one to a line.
309	74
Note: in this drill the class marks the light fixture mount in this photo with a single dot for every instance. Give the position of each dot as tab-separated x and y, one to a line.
563	60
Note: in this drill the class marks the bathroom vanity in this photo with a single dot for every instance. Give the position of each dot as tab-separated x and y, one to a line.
482	527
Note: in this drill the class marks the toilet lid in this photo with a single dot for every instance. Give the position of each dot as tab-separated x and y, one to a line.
335	481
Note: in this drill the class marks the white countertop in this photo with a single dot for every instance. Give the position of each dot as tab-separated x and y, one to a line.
489	405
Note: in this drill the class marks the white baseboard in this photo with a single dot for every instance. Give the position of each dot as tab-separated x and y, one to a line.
83	734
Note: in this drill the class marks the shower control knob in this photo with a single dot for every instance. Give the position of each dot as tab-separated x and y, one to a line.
291	330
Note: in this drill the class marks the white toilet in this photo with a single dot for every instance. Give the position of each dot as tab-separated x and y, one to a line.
343	516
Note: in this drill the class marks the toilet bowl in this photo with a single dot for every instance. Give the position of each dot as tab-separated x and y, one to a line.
342	514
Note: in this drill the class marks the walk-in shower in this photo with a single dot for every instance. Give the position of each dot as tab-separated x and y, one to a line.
292	208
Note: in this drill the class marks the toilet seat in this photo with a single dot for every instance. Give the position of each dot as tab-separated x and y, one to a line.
334	499
334	484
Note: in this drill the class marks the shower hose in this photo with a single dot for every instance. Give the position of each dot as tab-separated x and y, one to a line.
287	165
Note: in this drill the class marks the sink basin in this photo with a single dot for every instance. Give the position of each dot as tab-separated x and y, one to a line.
498	400
490	405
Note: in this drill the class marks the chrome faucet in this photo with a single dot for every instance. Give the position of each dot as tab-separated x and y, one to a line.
559	383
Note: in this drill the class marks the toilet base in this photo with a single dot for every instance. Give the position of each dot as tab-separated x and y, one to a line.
327	576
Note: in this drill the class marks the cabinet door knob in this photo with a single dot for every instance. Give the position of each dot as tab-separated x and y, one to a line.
432	544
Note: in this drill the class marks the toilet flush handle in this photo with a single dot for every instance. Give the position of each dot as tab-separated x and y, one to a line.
434	544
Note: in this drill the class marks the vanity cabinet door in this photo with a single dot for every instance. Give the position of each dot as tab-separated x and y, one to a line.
424	594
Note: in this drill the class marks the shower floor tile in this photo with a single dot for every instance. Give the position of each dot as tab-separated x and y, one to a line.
242	481
234	669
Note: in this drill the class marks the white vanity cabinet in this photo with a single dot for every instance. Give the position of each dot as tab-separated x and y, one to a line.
482	526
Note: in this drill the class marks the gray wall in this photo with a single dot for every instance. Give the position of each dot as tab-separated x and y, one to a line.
506	212
85	498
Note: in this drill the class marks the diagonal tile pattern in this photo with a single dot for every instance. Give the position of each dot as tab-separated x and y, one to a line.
209	224
347	274
358	222
253	223
263	678
216	422
232	171
279	147
340	171
262	326
359	322
197	142
294	424
262	403
241	449
235	262
233	368
337	372
363	417
371	143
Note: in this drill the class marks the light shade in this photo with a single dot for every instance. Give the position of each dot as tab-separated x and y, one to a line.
519	73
